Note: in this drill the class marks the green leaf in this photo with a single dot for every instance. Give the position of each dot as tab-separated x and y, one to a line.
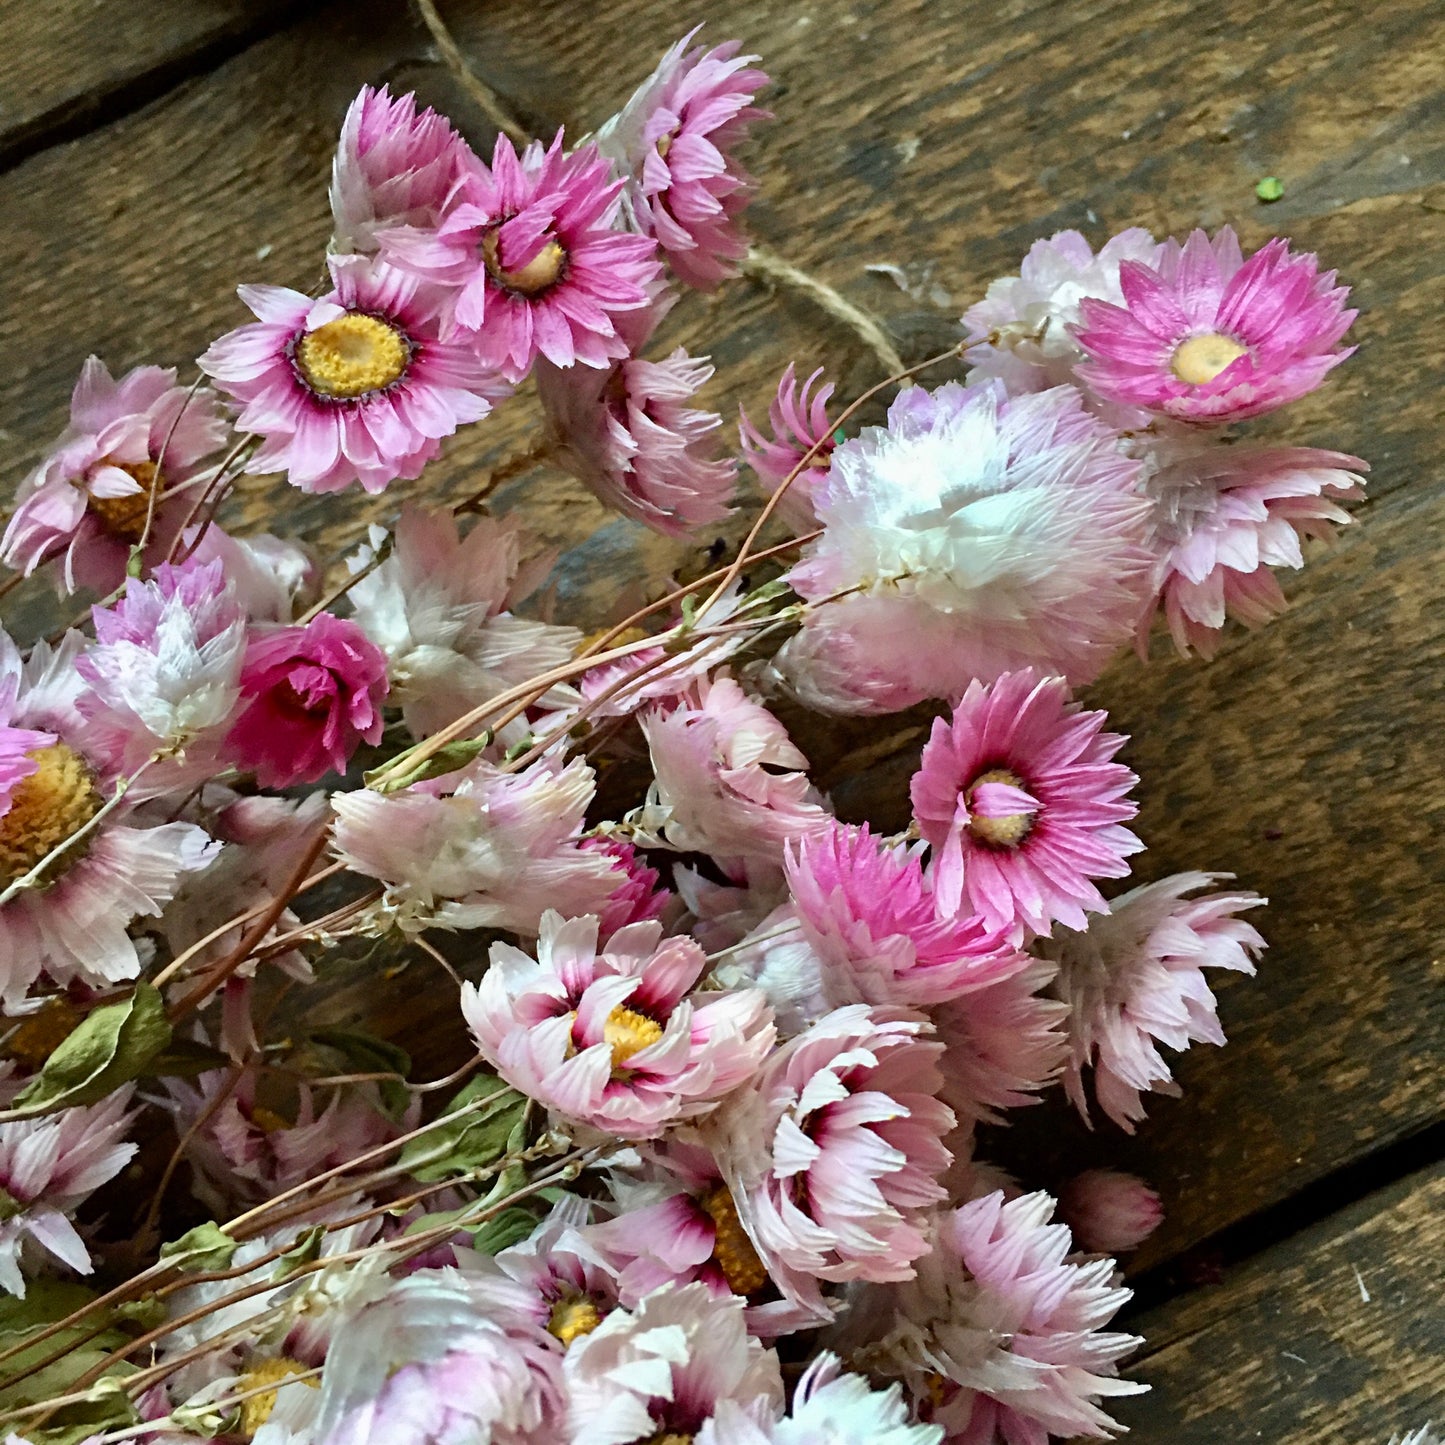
364	1053
306	1250
107	1048
47	1300
473	1139
511	1226
397	774
1271	188
207	1246
185	1058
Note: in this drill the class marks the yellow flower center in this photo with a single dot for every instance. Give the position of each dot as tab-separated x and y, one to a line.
268	1121
732	1249
56	800
668	1437
1201	358
543	270
256	1409
1006	832
125	517
629	1032
352	356
572	1318
41	1033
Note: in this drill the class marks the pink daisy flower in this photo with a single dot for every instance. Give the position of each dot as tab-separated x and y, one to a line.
425	1362
310	696
999	1337
55	776
166	665
1109	1211
1002	1045
1022	806
529	259
87	501
628	433
799	423
976	533
1022	332
836	1149
356	386
622	1040
639	898
479	847
1135	980
673	141
442	609
48	1167
395	165
728	779
869	914
663	1371
1206	336
1225	516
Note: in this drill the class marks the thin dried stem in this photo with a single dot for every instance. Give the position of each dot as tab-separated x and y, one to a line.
482	95
763	265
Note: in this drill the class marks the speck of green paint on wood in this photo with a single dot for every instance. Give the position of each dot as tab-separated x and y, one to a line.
1271	188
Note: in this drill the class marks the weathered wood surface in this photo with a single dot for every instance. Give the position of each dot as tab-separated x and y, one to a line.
69	65
942	137
1336	1335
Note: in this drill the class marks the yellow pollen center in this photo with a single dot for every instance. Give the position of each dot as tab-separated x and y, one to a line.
58	798
542	271
629	1032
939	1388
1201	358
352	356
41	1033
668	1437
125	517
732	1249
572	1318
1006	832
256	1409
268	1121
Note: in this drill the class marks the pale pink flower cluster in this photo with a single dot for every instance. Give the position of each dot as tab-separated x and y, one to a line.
719	1067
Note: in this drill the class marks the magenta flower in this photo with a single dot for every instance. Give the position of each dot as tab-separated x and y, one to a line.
638	898
621	1040
836	1149
628	433
1022	806
1135	979
47	1168
395	165
1002	1045
674	142
529	260
310	695
999	1336
1225	516
729	780
1206	336
356	386
661	1372
56	773
1109	1211
480	847
799	422
87	501
871	916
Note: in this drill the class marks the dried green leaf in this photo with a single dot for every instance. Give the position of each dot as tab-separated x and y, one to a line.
106	1049
487	1113
207	1246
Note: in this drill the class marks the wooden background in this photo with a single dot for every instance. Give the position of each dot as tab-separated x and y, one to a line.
153	153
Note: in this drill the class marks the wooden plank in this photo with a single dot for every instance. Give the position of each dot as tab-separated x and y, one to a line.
68	65
1336	1335
945	135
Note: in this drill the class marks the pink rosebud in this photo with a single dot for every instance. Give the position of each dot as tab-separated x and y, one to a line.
310	695
1109	1211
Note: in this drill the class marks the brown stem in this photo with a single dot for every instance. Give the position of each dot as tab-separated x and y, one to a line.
483	96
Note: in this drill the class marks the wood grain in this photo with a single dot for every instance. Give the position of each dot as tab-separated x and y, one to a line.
68	65
1336	1335
943	137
